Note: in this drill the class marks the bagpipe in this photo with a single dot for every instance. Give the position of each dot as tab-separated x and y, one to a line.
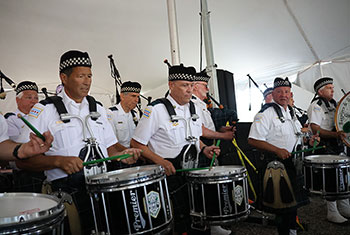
220	115
9	81
118	83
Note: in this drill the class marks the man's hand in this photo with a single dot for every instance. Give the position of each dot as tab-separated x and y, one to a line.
70	165
227	132
132	151
313	139
341	135
168	166
35	145
282	153
208	151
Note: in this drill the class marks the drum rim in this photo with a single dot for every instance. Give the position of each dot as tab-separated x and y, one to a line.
208	173
141	177
313	159
28	218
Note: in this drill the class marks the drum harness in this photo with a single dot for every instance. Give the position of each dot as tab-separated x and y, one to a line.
187	161
91	151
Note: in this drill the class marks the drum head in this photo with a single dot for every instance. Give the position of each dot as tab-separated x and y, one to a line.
327	159
217	171
27	207
127	176
342	117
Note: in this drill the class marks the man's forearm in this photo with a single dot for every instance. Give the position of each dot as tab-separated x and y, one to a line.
146	152
38	163
262	145
7	148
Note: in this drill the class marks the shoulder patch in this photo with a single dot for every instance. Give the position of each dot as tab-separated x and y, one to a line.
7	115
317	108
147	112
109	116
258	118
35	111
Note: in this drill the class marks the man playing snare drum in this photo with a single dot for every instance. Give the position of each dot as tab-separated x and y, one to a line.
167	142
276	132
321	114
62	164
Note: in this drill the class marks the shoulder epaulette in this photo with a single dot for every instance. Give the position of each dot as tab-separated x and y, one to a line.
7	115
113	108
155	102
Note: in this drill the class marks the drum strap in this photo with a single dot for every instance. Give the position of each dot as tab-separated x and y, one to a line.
321	100
62	110
171	111
278	110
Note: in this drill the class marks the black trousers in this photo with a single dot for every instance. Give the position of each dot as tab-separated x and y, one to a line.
74	185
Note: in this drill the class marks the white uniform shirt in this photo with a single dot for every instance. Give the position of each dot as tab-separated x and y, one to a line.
321	115
3	129
268	127
15	125
123	124
162	136
203	113
68	137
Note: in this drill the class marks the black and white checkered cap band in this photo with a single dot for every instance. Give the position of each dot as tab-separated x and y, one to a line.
130	89
326	82
27	87
201	79
282	83
73	62
181	76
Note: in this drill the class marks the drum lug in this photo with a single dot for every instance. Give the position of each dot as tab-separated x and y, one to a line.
64	197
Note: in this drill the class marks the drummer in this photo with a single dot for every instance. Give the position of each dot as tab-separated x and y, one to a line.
321	113
163	141
273	132
10	151
26	98
61	163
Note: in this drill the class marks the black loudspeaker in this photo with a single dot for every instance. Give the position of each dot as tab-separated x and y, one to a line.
226	89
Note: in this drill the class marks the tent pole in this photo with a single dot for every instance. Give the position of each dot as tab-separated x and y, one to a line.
211	67
173	33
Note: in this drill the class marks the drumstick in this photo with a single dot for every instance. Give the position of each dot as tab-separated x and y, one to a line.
37	133
214	155
308	150
120	157
315	142
192	169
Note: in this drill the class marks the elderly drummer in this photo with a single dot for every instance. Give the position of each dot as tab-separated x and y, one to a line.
10	151
321	114
62	164
167	142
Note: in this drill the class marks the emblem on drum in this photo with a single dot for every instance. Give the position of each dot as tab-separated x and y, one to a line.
153	202
238	194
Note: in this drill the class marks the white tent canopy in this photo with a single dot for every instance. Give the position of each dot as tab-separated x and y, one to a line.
252	36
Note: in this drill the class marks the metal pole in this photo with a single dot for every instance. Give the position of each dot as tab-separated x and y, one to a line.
211	68
173	33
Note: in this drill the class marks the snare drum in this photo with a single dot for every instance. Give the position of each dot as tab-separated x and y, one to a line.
218	196
328	175
31	213
131	201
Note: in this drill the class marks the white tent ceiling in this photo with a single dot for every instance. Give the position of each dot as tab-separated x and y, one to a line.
249	36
